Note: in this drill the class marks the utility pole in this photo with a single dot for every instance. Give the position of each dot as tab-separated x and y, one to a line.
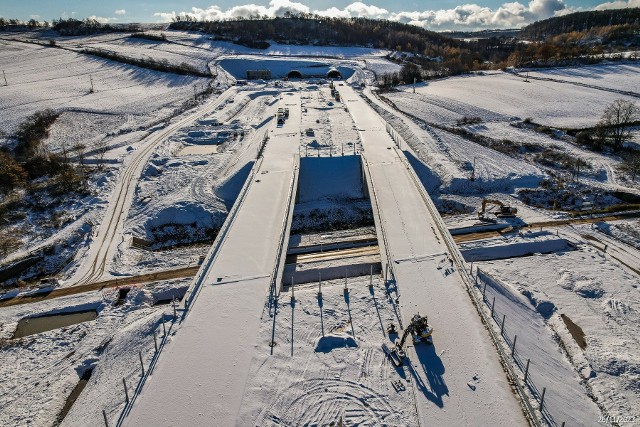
91	81
414	85
5	78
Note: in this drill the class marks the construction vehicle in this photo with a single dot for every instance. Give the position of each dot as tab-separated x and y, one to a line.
420	331
504	211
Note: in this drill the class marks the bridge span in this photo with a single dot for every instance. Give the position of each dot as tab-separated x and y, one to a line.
457	381
218	334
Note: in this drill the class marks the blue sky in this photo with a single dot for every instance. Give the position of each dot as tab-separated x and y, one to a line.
431	14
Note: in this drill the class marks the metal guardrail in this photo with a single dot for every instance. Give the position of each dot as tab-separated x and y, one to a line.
273	288
461	265
378	218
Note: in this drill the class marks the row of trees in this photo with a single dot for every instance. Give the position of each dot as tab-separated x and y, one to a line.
77	27
581	23
16	23
68	26
149	62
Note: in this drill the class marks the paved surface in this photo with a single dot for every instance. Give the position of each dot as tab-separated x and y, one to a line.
200	378
458	380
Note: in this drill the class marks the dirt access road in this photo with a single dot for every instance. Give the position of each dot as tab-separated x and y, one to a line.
178	273
102	248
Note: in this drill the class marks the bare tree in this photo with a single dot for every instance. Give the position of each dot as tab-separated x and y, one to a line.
631	164
101	148
81	152
617	118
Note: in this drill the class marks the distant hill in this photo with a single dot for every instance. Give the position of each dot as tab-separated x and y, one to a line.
626	21
482	34
315	30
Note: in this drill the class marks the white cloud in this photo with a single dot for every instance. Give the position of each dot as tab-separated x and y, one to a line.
619	4
120	12
213	13
102	20
466	16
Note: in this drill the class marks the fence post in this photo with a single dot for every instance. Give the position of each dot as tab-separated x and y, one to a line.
504	316
346	288
141	364
493	304
126	392
106	421
544	390
513	347
155	341
526	371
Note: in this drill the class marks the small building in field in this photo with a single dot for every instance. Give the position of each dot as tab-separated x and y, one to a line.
258	74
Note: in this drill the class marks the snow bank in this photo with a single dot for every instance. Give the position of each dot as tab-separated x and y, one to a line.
230	187
489	250
182	213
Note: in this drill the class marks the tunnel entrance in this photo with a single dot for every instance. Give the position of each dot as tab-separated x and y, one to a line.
334	74
294	74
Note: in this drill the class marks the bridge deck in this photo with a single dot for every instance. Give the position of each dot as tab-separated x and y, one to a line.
201	375
458	380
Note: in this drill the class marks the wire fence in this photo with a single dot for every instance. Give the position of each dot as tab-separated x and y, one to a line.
510	337
131	387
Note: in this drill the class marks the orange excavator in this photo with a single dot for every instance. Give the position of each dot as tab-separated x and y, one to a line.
504	211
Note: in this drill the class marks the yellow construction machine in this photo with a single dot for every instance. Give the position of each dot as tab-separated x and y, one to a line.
504	211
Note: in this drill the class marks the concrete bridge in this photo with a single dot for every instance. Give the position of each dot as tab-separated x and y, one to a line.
202	375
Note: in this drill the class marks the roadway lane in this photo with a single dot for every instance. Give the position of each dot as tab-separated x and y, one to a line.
458	380
200	377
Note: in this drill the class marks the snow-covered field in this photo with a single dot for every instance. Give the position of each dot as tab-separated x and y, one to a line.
501	96
622	77
43	77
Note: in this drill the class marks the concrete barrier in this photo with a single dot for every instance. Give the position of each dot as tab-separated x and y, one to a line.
311	275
